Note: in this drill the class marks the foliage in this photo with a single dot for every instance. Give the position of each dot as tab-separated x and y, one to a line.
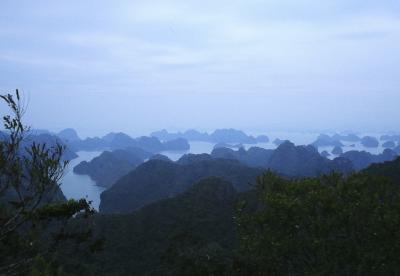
329	225
34	215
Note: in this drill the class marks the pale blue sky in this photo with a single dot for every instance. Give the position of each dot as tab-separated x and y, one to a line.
138	66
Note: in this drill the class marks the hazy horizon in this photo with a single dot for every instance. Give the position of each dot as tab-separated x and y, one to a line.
292	135
258	66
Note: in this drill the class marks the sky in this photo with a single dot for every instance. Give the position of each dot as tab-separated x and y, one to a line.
139	66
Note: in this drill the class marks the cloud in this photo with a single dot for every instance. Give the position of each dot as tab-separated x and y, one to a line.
274	49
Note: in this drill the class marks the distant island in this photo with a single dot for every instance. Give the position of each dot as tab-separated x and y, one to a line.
218	136
119	140
369	142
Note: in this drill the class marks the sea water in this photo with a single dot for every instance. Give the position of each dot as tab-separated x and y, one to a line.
82	186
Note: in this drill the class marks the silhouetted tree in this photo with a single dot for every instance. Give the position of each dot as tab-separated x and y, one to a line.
34	214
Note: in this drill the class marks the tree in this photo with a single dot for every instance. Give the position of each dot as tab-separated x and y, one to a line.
34	215
329	225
